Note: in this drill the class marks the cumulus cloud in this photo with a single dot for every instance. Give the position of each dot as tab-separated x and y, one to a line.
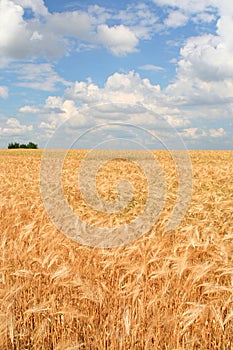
206	57
29	110
193	133
37	6
204	70
19	38
198	133
118	88
58	110
178	121
120	40
217	132
224	30
127	98
176	19
204	74
15	128
76	24
3	92
13	29
124	97
55	34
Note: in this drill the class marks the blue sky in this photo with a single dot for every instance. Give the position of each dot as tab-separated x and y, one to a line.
165	66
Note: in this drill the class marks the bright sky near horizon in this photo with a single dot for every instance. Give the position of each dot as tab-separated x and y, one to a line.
84	63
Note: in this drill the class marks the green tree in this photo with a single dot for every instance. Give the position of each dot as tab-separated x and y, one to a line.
13	145
30	145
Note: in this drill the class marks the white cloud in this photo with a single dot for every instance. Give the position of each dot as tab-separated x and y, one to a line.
124	97
176	19
204	71
120	40
37	6
204	75
41	76
178	121
151	67
197	133
141	19
118	88
53	103
13	30
224	30
99	14
128	98
57	110
206	57
83	92
193	133
29	110
86	47
52	125
225	7
36	36
15	128
180	11
217	133
204	18
129	93
75	24
191	6
3	92
56	34
19	37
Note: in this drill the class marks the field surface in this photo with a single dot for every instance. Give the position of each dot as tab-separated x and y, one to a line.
163	291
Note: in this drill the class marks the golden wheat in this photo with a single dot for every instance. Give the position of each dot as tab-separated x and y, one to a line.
164	291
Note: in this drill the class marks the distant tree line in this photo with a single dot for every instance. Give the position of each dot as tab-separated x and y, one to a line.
30	145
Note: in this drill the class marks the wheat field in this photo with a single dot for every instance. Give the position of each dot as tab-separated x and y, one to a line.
164	291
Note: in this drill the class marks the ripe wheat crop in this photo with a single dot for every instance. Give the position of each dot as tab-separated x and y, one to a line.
166	290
